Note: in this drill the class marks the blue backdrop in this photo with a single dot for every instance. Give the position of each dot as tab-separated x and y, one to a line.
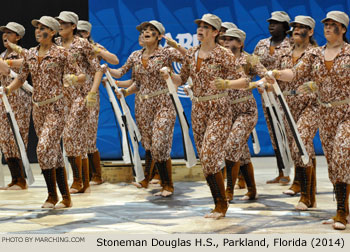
114	23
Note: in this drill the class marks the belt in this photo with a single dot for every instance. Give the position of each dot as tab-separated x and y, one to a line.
243	99
209	97
291	92
150	95
333	104
42	103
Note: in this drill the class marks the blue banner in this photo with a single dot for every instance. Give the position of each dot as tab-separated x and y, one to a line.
113	26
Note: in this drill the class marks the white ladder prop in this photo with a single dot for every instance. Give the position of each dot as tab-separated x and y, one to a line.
190	155
131	128
18	138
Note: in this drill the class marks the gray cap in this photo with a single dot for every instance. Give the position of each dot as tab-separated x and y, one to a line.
235	33
211	19
338	16
50	22
155	23
69	17
84	26
15	27
228	25
279	16
305	20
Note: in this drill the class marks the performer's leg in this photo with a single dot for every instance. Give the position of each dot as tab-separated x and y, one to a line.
217	189
18	173
61	177
232	169
76	164
85	175
50	179
295	187
305	186
342	197
248	174
96	163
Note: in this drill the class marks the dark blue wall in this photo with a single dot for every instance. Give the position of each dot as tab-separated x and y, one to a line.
114	23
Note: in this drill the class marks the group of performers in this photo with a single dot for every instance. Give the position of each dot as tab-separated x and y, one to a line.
66	75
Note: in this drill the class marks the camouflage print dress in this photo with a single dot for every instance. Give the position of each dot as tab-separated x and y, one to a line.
304	109
47	75
21	104
211	119
76	112
155	116
334	85
269	61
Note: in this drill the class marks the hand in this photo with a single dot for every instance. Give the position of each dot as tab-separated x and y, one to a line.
116	73
171	42
271	76
220	83
91	99
69	80
308	87
122	92
251	86
96	49
15	47
104	81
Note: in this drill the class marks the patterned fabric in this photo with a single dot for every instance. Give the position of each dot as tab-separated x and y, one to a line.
76	113
211	120
244	114
262	50
335	127
47	83
21	105
156	116
304	109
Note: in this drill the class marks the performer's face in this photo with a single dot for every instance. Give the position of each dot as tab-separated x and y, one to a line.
206	32
233	44
83	34
220	40
333	30
66	28
43	34
301	33
276	28
150	35
11	36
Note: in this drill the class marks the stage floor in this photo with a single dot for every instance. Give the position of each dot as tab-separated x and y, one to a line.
123	209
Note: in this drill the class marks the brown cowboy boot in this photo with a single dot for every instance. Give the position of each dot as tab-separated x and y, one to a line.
13	170
295	187
284	180
86	180
20	182
313	188
50	179
96	168
305	188
241	182
232	169
76	164
248	174
217	189
62	183
342	197
149	165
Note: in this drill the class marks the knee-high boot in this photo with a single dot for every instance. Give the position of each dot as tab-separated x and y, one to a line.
17	173
61	177
85	175
96	167
50	179
165	173
217	189
342	196
241	182
305	187
295	187
149	165
76	164
232	169
248	174
313	188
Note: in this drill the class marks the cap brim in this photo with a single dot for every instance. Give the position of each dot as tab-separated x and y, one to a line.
2	28
35	22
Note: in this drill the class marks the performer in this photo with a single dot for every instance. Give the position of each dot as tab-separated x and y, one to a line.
77	113
20	102
211	109
155	113
49	65
269	50
328	67
84	31
224	27
245	116
305	111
